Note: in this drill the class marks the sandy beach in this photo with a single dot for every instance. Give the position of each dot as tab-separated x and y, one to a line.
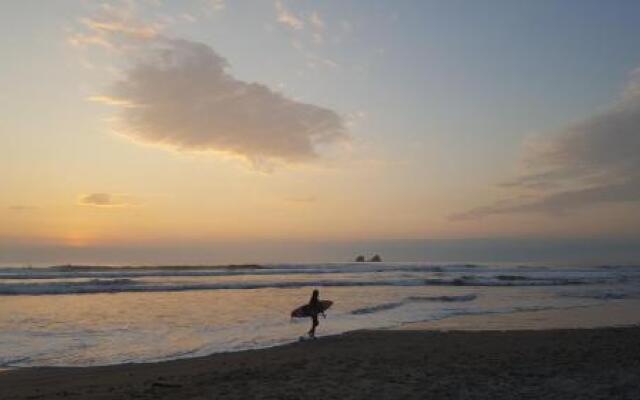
599	363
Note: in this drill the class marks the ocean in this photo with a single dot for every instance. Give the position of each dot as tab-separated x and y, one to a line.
92	315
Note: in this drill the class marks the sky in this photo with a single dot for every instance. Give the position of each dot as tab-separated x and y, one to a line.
219	131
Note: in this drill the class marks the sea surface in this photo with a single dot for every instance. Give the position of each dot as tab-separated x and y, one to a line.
88	315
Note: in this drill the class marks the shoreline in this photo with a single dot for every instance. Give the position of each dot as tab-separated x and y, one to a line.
559	363
617	315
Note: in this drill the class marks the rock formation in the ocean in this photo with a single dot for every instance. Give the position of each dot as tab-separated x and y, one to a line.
375	258
360	259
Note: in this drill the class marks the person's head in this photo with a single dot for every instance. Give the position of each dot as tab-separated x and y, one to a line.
315	294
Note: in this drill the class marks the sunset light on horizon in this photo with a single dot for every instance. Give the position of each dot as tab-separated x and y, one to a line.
151	125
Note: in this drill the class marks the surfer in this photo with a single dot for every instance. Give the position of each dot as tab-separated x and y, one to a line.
313	309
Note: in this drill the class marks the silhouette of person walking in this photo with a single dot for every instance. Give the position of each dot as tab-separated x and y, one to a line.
313	309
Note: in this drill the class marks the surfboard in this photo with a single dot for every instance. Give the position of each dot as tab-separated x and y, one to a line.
305	311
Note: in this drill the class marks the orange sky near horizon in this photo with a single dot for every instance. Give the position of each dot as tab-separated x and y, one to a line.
151	123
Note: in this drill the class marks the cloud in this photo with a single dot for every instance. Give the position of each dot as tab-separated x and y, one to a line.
217	5
594	161
318	38
188	17
318	25
316	21
122	27
106	200
288	18
179	94
114	27
111	101
314	60
301	37
22	208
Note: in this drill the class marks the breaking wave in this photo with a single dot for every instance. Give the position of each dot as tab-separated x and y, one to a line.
235	270
96	279
410	299
129	285
377	308
466	297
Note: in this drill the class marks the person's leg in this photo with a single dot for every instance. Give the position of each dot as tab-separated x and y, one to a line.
314	323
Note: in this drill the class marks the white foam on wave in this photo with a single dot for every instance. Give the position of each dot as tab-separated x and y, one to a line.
70	280
128	285
278	269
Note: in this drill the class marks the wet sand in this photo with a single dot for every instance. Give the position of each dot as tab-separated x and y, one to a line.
549	364
615	313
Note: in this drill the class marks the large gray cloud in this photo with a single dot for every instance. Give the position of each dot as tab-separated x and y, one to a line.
591	162
180	94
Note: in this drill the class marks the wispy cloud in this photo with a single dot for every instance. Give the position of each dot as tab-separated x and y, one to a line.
112	101
591	162
217	5
305	29
22	208
316	21
106	200
287	17
318	25
114	27
313	60
188	17
122	27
